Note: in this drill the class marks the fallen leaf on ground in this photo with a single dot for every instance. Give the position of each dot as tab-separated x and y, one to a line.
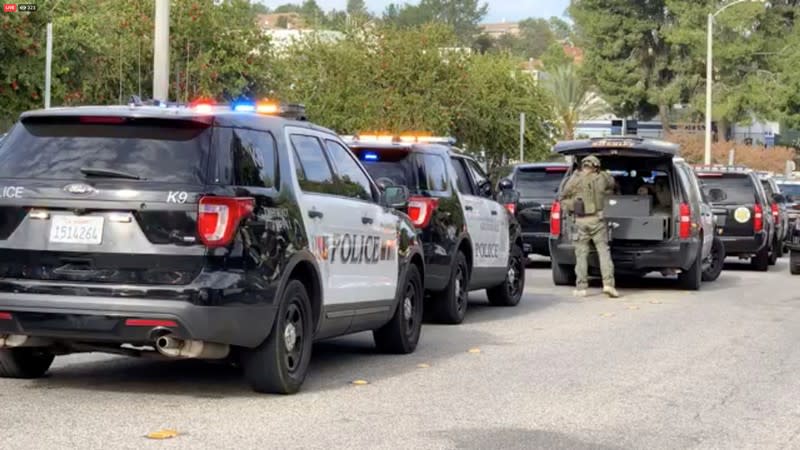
162	434
474	350
360	382
423	366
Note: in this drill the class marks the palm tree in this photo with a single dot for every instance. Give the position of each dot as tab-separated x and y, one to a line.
572	99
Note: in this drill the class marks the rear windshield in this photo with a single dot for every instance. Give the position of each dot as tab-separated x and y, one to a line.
738	189
792	190
156	150
539	181
388	167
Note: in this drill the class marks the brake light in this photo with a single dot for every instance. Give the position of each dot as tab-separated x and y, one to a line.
775	211
420	210
5	316
512	208
555	219
101	120
556	169
219	217
685	218
758	218
152	323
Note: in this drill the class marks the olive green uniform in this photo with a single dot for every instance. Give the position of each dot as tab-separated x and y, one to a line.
591	187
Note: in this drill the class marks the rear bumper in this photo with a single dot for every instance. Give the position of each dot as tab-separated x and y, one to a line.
103	319
536	242
744	245
673	255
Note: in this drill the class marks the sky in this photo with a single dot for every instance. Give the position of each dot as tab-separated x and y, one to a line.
499	10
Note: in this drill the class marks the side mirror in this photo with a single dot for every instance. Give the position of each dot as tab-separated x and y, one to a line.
779	198
505	185
395	197
717	195
485	189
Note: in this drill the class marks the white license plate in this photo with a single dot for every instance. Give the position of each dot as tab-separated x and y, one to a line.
76	230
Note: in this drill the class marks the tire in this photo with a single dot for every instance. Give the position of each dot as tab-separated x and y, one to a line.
760	262
717	256
510	291
794	262
278	366
773	254
401	334
451	306
563	275
25	362
692	278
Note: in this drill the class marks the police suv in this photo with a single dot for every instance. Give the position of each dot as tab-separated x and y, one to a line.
197	232
658	218
471	240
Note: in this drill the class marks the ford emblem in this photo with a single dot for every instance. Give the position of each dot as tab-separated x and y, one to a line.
79	189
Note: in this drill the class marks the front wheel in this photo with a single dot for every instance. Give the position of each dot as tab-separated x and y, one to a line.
716	261
280	363
794	262
773	254
509	292
401	334
25	362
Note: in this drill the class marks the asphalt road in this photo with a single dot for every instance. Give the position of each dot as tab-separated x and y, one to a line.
659	368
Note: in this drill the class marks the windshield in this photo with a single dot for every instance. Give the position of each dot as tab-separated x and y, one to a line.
388	167
738	189
539	182
167	151
791	190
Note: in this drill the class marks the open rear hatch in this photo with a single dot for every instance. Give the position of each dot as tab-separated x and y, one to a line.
102	199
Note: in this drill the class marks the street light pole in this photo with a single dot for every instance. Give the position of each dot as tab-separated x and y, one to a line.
710	71
161	51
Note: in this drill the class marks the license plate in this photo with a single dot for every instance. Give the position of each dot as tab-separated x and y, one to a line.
76	230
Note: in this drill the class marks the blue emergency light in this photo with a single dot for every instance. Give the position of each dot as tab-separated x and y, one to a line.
370	156
244	106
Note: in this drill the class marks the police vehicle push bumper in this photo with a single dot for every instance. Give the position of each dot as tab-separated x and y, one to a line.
745	245
671	255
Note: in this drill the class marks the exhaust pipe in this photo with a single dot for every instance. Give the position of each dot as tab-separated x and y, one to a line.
172	347
21	340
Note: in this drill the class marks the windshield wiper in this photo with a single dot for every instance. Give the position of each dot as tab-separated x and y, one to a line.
109	173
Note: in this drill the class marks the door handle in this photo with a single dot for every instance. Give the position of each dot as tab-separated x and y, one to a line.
315	214
494	213
366	221
468	208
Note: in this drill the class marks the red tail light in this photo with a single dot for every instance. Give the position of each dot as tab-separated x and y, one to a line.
758	218
5	316
512	208
420	210
555	219
775	211
219	217
685	225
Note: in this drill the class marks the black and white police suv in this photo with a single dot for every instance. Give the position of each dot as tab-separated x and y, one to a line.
742	213
197	232
471	241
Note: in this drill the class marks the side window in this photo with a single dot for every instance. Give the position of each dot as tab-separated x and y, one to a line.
462	178
314	172
477	174
352	181
253	158
433	173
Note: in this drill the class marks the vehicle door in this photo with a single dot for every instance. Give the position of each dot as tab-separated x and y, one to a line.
491	224
336	224
696	199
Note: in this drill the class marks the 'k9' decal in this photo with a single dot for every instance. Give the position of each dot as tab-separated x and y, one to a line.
354	249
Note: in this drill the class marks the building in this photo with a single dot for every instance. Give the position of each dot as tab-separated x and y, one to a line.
280	21
496	30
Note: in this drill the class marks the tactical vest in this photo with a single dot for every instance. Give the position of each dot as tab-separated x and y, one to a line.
592	190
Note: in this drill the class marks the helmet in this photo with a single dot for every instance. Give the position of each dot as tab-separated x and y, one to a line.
591	160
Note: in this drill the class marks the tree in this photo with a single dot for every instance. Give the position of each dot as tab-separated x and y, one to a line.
627	56
561	29
571	98
357	8
535	36
462	15
555	57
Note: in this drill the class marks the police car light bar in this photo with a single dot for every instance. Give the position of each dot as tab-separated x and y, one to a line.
386	138
722	168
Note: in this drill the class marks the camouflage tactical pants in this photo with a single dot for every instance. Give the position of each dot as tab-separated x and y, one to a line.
588	230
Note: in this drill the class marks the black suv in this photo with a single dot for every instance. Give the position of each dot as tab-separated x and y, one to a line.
196	233
780	216
742	213
471	241
537	185
657	217
790	189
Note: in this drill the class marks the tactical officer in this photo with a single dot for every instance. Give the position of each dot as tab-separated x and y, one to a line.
584	196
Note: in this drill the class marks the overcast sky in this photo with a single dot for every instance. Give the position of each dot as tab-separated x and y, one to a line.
510	10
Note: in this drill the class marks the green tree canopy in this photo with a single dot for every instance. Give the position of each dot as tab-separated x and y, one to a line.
462	15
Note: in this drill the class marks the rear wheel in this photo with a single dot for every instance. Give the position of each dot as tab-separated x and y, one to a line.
716	261
691	278
760	262
794	262
563	274
25	362
510	292
280	363
451	306
401	334
773	253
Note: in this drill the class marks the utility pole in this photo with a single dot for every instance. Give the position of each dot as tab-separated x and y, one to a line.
709	87
161	51
48	65
522	137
